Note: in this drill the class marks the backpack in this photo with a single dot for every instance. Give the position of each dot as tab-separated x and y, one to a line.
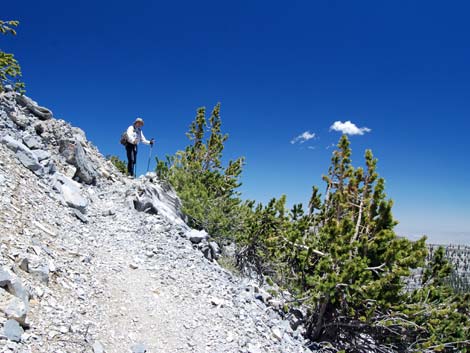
123	140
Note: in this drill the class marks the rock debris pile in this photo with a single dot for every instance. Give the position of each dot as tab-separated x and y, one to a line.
91	261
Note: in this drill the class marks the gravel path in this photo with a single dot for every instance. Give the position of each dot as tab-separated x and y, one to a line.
162	293
125	280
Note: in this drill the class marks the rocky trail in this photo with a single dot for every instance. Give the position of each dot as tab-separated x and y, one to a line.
91	261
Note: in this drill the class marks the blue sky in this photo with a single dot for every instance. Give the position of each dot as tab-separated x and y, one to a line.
400	69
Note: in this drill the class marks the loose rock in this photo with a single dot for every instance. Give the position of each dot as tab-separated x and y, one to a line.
12	330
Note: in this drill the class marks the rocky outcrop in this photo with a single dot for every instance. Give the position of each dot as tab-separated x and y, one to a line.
38	111
154	197
75	155
52	149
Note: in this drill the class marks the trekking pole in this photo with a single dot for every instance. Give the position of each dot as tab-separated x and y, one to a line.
135	162
150	155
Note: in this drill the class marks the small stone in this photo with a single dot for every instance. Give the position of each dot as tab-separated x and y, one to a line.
263	296
215	249
52	334
217	301
98	347
109	212
12	330
41	154
253	349
40	271
197	236
29	160
277	333
70	171
206	250
32	142
39	292
80	215
139	348
275	303
52	266
24	264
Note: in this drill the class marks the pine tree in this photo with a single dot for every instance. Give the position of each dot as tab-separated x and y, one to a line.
342	257
354	261
208	190
10	70
344	260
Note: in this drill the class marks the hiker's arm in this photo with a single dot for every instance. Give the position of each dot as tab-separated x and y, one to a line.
143	139
131	135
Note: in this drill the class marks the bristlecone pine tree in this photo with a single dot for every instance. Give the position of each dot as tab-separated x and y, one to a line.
353	262
10	70
347	265
207	189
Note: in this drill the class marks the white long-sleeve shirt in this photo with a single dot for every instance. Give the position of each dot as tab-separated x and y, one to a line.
135	135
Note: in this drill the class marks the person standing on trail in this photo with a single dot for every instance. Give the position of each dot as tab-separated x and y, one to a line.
134	135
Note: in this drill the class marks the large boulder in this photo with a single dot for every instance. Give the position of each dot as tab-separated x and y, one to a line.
30	161
24	154
70	192
74	154
40	112
10	282
86	173
32	142
79	135
12	307
155	197
73	198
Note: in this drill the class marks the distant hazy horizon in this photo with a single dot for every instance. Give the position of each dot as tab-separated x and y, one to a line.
437	237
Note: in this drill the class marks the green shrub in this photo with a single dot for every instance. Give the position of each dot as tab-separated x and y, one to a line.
344	260
10	70
118	163
207	189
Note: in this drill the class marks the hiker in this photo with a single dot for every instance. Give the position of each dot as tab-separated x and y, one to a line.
134	135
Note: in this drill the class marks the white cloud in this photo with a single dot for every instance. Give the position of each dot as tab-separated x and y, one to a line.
349	128
311	147
305	136
333	145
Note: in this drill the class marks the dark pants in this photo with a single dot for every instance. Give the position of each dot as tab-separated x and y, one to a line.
131	158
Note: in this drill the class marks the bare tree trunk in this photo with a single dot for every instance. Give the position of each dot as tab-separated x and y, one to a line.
314	331
359	219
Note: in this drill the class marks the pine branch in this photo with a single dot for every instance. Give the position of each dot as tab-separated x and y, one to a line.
304	247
